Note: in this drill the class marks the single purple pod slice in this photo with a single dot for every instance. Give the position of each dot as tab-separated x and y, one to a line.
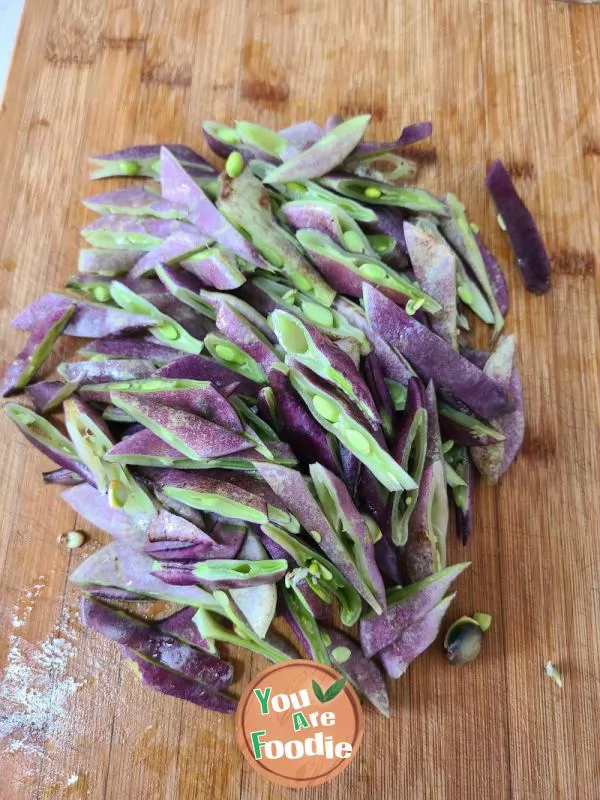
364	674
141	347
144	161
180	625
406	605
193	436
221	139
49	395
154	645
433	357
524	236
291	487
409	449
300	136
435	268
128	232
170	531
109	263
304	625
297	426
390	222
386	555
411	134
137	202
238	574
216	267
172	550
62	477
372	496
308	346
202	368
110	594
462	494
245	309
239	330
175	685
367	190
350	469
495	275
348	272
105	371
178	186
258	604
349	524
326	154
331	220
375	379
39	345
123	565
178	247
414	640
94	507
493	461
466	429
47	439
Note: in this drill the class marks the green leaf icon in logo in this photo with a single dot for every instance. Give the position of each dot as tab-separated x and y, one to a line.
330	693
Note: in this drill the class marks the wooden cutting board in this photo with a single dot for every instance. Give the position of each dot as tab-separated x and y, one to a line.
516	79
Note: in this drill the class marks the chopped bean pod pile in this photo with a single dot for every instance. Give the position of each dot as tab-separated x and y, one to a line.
275	409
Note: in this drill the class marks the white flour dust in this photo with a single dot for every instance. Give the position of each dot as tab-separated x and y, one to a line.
22	610
34	687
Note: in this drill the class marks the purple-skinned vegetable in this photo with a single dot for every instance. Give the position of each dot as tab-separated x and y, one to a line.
49	395
39	345
243	308
177	247
386	555
351	560
94	507
194	436
62	477
109	263
242	332
414	640
202	368
466	429
462	494
308	346
105	371
372	495
258	604
304	625
112	595
178	186
332	121
144	161
128	232
228	573
350	469
324	155
375	380
47	439
331	220
154	645
175	685
180	625
142	347
434	267
424	552
411	134
409	450
215	267
297	426
524	236
367	190
347	272
406	605
364	674
433	357
495	275
300	136
493	461
168	533
136	201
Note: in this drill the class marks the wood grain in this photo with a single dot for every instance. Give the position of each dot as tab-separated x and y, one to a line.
518	80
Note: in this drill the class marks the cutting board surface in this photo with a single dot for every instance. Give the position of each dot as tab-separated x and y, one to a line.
516	79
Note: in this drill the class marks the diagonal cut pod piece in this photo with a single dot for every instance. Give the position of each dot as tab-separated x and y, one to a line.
304	625
245	202
87	501
364	674
406	605
217	267
493	461
184	287
136	201
41	341
175	685
339	418
297	426
166	329
128	232
524	236
326	154
425	550
144	161
179	186
351	529
170	531
258	604
459	233
246	336
177	247
462	494
323	577
433	358
203	368
108	263
105	371
410	134
192	435
366	190
495	275
375	380
180	625
151	643
230	355
247	310
435	268
47	439
292	488
331	220
466	429
231	573
62	477
414	640
144	348
348	272
409	450
308	346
